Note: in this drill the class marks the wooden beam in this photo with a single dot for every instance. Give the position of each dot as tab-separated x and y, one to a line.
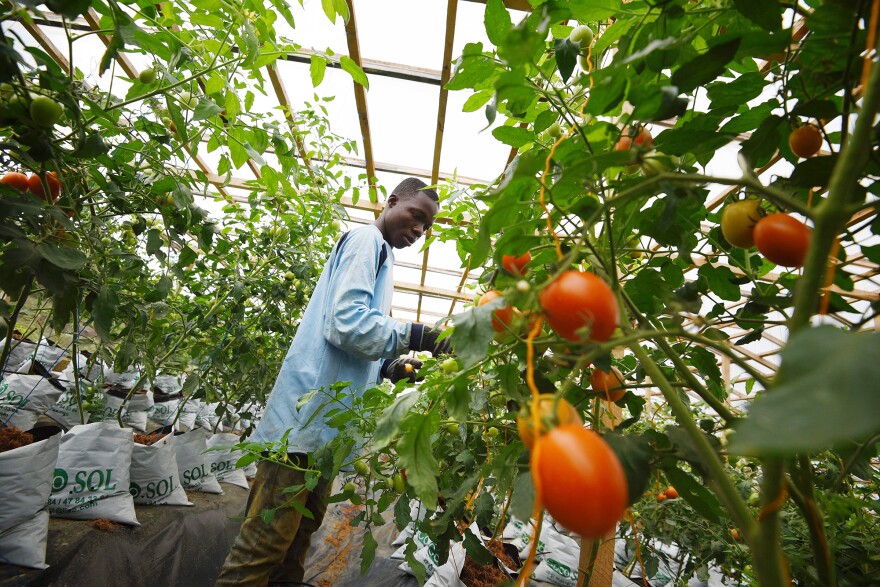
451	13
46	43
360	99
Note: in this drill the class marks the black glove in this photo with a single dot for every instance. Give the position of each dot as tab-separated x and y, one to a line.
424	338
395	369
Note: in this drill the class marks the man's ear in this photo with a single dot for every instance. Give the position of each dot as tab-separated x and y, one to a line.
392	201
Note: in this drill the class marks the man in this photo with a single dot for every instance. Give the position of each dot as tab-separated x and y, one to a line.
345	331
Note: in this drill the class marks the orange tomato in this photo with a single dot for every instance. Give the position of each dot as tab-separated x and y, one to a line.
805	141
502	316
782	239
609	386
36	186
565	414
516	265
582	482
671	492
15	180
577	299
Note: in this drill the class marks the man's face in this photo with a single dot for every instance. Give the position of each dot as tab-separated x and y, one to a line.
407	219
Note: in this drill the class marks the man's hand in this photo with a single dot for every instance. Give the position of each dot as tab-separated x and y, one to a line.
403	368
425	339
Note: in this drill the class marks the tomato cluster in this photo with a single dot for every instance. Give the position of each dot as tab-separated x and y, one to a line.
781	238
34	184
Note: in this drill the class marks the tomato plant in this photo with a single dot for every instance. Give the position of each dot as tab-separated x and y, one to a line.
738	221
45	111
582	482
782	239
579	300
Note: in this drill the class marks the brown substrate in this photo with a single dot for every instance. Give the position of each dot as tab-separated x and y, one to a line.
12	438
149	439
105	525
474	575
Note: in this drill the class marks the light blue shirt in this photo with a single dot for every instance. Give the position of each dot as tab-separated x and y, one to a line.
345	331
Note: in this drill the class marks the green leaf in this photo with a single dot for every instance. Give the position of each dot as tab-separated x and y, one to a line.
497	21
388	424
317	67
414	451
329	9
706	67
368	552
205	110
341	8
159	291
477	100
473	331
523	499
767	15
593	10
103	312
827	393
634	454
357	74
233	104
722	282
62	257
699	498
566	57
514	135
475	549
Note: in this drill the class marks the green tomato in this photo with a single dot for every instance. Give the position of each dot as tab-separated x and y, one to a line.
335	226
6	91
449	366
554	130
45	111
652	165
147	76
399	483
289	276
361	467
349	487
493	432
582	36
452	428
389	483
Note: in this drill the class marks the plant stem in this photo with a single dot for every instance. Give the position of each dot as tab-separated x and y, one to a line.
10	324
831	215
768	560
803	495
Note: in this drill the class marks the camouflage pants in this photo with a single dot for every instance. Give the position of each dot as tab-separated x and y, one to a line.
264	554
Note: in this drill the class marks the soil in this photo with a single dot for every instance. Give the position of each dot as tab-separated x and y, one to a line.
12	438
474	575
105	525
149	439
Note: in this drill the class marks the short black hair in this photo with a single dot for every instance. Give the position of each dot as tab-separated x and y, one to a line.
412	186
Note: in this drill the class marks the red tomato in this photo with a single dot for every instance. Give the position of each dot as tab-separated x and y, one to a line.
565	414
805	141
671	492
15	180
502	316
628	140
577	299
515	265
608	385
782	239
36	186
582	482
